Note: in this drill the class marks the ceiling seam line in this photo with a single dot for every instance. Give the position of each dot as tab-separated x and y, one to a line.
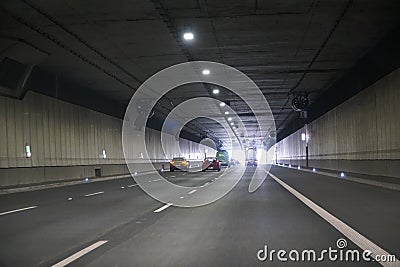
80	39
60	44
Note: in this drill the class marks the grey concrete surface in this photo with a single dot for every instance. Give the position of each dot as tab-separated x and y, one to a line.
228	232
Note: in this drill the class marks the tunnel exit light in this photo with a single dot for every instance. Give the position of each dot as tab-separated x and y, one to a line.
303	137
28	153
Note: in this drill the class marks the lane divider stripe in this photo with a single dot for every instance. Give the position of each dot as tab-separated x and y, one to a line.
191	192
346	230
18	210
80	254
163	207
93	194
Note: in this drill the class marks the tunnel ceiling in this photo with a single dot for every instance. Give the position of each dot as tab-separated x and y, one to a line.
99	52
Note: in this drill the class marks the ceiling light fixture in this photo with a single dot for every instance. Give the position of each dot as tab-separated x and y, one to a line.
222	104
229	119
188	36
206	72
232	123
215	91
226	112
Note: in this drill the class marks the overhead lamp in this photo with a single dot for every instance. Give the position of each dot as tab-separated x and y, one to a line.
229	119
232	123
215	91
222	104
206	72
234	127
188	36
226	112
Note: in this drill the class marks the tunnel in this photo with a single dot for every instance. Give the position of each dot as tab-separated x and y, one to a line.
199	133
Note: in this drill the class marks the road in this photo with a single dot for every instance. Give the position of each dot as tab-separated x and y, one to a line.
114	223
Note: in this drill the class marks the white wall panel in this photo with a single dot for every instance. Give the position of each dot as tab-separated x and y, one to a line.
33	129
62	134
19	134
39	126
3	133
26	128
10	126
365	127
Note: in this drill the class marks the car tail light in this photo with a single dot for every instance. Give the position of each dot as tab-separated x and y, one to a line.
172	162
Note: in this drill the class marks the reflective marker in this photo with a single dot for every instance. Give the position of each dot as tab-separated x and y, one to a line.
314	170
342	174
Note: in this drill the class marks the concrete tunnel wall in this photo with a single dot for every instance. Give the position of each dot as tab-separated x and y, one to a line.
361	135
66	142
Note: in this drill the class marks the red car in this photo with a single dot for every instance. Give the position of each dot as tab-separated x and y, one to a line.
211	163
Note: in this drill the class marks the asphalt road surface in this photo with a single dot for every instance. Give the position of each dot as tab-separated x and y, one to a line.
114	223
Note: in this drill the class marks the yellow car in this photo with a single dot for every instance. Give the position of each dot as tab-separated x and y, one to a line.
179	163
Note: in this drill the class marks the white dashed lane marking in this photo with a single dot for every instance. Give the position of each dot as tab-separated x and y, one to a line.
18	210
163	207
191	192
80	254
94	194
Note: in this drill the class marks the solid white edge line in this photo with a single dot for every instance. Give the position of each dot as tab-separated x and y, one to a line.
18	210
80	254
191	192
163	207
93	194
358	239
